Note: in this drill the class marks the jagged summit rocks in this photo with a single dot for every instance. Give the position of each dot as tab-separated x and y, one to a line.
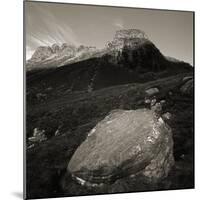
129	49
133	50
86	68
126	142
62	54
58	55
45	52
130	33
55	48
129	38
41	53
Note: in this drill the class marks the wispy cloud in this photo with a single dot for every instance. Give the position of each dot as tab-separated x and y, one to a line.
45	28
119	24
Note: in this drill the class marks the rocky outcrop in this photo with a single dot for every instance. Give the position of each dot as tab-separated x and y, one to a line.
126	142
41	53
152	91
187	78
130	33
167	116
55	48
187	88
85	48
58	55
130	38
38	136
67	50
132	49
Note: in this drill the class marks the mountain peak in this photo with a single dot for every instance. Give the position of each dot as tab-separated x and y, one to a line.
41	53
130	34
55	48
127	37
62	54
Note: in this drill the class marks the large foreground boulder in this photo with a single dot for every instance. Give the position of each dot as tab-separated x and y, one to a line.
124	143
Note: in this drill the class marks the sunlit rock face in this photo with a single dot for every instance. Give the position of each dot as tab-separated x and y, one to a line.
85	48
67	50
130	38
41	53
55	48
59	55
132	48
125	143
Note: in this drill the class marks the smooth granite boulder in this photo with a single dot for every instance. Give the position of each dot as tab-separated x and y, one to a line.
124	143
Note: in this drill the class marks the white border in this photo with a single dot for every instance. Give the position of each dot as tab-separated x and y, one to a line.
11	101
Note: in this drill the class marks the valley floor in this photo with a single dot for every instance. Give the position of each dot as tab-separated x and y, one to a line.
76	113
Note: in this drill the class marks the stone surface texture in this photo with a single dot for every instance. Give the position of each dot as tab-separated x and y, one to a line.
124	143
130	38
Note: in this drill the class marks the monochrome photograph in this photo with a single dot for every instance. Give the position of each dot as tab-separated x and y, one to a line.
109	99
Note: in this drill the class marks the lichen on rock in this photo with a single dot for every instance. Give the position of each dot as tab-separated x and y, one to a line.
124	143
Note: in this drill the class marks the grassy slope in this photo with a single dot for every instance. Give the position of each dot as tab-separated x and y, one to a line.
78	112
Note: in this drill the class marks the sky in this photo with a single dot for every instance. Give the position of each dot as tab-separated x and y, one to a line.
49	23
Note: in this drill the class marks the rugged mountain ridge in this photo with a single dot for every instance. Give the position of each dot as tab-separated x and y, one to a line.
129	58
129	45
58	55
128	37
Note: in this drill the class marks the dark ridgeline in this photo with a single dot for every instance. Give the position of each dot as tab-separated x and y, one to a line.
75	97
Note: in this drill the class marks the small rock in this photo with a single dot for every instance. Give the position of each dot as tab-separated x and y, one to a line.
33	139
167	116
36	132
49	88
41	96
57	133
152	91
157	109
31	146
162	102
153	101
183	156
187	78
147	101
170	93
90	89
38	135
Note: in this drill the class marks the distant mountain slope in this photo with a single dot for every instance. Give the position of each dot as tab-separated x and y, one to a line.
140	64
55	56
129	58
124	41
